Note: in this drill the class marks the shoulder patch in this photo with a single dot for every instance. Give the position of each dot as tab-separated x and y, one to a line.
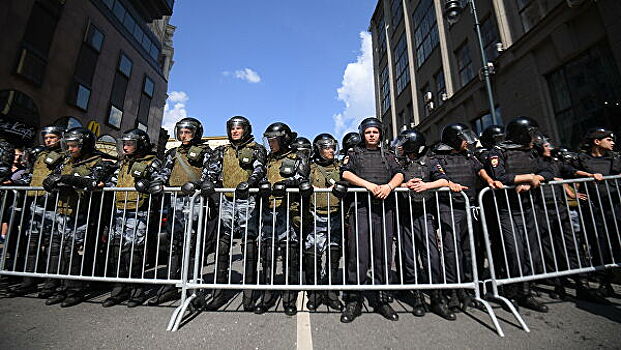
493	161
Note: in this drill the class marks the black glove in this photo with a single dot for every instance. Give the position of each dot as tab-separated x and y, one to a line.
79	182
265	189
142	186
306	189
279	189
189	188
50	183
207	188
156	187
339	190
242	190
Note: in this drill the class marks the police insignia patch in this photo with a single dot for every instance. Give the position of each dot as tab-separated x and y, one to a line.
494	161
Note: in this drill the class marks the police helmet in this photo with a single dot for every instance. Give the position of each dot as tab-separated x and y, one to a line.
370	122
239	120
522	131
82	136
411	141
598	134
280	131
454	134
492	135
351	140
324	141
139	138
302	144
192	124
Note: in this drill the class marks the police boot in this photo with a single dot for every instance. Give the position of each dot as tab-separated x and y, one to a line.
251	275
56	298
332	296
527	300
49	288
605	288
118	295
453	301
268	298
419	304
164	294
383	307
28	285
584	292
314	297
73	298
136	297
289	298
353	307
466	300
222	276
440	307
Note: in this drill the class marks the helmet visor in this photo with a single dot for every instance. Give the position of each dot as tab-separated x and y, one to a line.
325	147
185	130
127	146
469	136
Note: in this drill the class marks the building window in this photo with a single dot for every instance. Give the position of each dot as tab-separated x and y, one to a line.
145	100
464	64
427	105
425	31
531	11
440	87
32	56
68	122
80	91
381	37
119	88
385	89
486	120
396	9
402	64
489	34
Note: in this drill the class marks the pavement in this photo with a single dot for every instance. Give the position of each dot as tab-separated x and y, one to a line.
29	324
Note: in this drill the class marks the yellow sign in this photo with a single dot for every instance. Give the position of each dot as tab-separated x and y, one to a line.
95	127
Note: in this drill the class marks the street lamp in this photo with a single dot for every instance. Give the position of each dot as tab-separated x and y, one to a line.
452	11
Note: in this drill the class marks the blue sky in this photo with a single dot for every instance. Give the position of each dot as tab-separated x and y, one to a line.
307	63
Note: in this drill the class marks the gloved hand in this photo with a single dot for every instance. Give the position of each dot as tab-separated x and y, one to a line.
279	189
79	182
189	188
207	188
142	186
265	189
50	183
339	190
156	187
306	189
242	190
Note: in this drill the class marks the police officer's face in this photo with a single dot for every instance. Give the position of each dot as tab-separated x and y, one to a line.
186	135
371	136
463	146
18	156
129	147
327	153
237	131
73	148
274	144
547	150
50	139
607	143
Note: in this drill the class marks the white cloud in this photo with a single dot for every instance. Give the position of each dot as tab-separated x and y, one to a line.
248	75
356	90
174	110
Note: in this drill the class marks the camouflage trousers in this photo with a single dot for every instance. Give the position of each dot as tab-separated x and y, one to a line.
324	228
131	225
239	216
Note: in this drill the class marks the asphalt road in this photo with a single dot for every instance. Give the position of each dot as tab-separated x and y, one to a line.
28	324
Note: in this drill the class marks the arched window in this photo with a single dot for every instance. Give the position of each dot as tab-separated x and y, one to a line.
68	122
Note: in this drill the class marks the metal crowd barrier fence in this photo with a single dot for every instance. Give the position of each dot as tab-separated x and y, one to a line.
112	235
561	228
409	241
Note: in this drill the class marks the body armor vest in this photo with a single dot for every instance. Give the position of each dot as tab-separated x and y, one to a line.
129	171
183	170
598	165
416	169
237	165
68	200
373	166
519	161
279	168
459	170
324	177
40	170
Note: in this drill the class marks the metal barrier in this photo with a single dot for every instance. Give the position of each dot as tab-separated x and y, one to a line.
409	241
543	233
112	235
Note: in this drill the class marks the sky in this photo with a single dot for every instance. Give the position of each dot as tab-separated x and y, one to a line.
307	63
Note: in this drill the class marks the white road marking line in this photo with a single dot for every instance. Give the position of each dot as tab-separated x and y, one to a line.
304	332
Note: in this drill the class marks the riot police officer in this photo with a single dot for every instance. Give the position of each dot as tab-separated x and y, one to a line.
302	146
182	166
126	240
41	209
514	162
240	165
324	233
285	169
369	166
490	137
82	171
599	160
350	140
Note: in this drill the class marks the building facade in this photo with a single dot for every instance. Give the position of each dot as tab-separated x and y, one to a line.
102	64
556	61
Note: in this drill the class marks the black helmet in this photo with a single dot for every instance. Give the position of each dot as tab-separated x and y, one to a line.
239	120
540	142
324	141
351	140
192	124
369	123
139	138
454	134
522	131
492	135
84	138
282	132
302	145
411	141
598	134
54	130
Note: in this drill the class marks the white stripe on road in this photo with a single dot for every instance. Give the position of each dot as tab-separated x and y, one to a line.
304	333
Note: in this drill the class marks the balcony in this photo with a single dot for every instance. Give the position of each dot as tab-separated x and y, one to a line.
151	10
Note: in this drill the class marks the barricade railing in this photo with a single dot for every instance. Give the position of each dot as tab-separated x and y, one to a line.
558	229
110	235
409	241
